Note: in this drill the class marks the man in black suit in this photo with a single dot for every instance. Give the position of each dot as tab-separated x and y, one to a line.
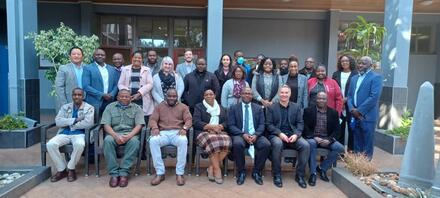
246	127
321	124
284	123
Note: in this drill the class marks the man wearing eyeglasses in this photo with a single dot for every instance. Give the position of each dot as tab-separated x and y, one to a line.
309	68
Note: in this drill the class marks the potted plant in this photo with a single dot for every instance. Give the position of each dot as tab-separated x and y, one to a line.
363	38
394	140
18	132
54	45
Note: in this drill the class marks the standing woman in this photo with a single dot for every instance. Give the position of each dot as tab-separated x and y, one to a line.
346	70
166	79
298	85
231	91
137	78
210	122
320	83
223	73
266	83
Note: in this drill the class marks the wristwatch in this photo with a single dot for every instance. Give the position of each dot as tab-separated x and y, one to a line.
185	128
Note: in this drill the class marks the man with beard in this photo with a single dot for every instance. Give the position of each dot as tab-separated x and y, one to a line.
169	124
188	66
197	82
284	67
152	62
309	68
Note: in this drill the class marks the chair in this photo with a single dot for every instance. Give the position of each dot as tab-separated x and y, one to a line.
99	149
199	152
66	149
171	151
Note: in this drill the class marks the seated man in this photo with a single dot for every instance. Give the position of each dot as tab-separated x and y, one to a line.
285	124
321	124
169	124
246	127
73	118
122	122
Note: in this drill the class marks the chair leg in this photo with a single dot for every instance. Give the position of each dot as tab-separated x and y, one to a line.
43	158
197	162
149	164
86	159
225	167
96	159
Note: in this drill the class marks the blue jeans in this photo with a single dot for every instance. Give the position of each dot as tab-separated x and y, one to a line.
363	136
335	149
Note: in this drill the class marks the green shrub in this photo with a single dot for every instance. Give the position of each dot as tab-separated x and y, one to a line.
9	122
403	130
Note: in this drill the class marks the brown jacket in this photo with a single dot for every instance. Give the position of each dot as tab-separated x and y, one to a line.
167	117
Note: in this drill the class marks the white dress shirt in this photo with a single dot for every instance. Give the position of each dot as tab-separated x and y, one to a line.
104	74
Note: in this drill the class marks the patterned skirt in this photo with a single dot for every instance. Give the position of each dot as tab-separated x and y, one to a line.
213	143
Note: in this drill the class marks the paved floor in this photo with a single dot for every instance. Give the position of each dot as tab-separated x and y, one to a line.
195	187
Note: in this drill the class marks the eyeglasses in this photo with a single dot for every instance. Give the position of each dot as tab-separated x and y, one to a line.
310	61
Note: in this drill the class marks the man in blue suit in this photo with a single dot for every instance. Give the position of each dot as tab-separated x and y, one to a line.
246	127
100	82
363	103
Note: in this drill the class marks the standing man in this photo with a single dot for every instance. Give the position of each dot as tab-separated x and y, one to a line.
321	125
118	62
284	123
68	77
188	66
363	103
152	62
72	119
122	122
309	68
197	82
100	82
246	128
169	124
240	60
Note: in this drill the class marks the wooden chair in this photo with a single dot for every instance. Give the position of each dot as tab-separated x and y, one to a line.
171	151
99	149
66	149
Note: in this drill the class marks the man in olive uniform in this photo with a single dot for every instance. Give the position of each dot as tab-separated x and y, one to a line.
122	122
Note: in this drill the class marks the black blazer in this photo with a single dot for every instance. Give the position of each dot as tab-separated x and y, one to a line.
333	127
337	77
194	89
201	118
273	119
235	119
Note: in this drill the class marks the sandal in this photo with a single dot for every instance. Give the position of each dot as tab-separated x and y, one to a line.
210	176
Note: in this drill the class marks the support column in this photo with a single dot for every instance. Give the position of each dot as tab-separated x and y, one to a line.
333	28
395	61
23	63
437	80
214	45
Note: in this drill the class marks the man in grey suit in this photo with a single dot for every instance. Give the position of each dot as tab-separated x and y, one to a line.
100	82
188	66
68	77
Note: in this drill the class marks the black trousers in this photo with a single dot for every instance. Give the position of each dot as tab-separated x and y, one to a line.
301	145
262	150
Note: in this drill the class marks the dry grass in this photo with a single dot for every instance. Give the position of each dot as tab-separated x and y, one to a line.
359	165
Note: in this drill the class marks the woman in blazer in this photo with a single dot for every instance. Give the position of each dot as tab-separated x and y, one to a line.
165	79
266	83
346	70
137	78
298	85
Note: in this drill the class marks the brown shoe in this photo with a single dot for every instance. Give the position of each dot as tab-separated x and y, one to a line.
71	175
58	176
123	181
114	181
156	181
180	180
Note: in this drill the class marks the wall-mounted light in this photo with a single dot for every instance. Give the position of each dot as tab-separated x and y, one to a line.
425	2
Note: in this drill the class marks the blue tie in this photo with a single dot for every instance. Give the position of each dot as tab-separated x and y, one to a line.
246	118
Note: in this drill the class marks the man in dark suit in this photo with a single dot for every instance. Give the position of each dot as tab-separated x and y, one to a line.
100	82
246	127
321	124
363	103
284	123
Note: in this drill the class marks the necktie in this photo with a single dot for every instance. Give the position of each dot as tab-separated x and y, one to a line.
251	149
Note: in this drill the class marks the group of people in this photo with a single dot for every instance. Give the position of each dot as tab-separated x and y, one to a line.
236	110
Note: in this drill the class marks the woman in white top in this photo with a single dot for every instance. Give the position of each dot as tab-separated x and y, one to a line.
346	70
166	79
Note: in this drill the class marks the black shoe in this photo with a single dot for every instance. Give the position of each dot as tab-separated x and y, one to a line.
277	181
312	179
240	178
257	178
322	174
301	182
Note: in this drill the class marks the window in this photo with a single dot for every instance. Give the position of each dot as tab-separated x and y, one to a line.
152	32
422	39
116	31
188	33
